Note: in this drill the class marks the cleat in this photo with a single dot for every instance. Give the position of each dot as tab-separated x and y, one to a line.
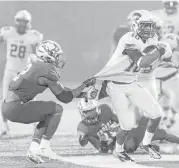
150	149
32	156
122	156
48	153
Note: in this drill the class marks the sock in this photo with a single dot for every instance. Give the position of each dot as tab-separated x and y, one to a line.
147	138
52	126
119	148
45	143
34	145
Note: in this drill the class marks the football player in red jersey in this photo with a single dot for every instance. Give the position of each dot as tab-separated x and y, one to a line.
43	72
99	126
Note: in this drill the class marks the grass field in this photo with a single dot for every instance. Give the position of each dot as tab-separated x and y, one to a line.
65	142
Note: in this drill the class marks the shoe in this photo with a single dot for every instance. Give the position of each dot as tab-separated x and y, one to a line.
150	149
122	156
32	156
48	153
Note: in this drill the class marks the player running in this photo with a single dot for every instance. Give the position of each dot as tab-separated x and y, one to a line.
133	53
43	72
21	41
99	126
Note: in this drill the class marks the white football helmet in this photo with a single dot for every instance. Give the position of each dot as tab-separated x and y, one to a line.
135	15
51	52
23	21
144	26
89	110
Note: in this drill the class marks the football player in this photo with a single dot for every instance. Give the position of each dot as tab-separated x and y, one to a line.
169	15
21	40
168	79
43	72
131	54
99	126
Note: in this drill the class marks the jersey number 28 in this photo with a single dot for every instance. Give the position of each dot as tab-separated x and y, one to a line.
18	51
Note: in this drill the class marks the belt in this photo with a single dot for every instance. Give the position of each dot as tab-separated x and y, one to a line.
121	83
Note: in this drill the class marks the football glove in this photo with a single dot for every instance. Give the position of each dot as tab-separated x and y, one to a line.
83	139
90	82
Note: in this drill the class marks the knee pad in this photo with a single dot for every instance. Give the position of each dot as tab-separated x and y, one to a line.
59	109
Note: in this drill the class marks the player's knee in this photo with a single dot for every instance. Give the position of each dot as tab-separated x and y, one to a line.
158	113
59	109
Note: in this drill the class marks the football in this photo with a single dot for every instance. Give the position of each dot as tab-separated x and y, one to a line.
150	49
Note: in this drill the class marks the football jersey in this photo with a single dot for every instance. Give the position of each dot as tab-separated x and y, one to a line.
102	128
25	85
171	22
19	46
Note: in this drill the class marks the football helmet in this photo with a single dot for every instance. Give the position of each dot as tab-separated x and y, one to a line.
170	6
135	15
89	110
144	26
23	21
51	52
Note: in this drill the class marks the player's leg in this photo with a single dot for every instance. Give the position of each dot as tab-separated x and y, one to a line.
49	115
8	76
150	106
120	104
167	135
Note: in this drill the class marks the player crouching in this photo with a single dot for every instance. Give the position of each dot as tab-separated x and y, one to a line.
42	73
99	126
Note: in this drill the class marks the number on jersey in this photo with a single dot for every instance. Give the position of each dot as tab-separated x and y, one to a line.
23	72
18	51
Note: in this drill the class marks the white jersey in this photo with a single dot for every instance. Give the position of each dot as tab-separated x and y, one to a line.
19	46
171	22
121	64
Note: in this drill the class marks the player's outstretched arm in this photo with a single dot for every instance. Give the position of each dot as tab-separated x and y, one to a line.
62	94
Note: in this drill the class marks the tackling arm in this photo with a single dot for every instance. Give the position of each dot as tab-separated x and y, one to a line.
62	94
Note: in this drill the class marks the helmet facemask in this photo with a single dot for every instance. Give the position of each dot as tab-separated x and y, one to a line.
146	29
90	116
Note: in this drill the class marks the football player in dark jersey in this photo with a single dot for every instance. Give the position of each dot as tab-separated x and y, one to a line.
43	72
99	126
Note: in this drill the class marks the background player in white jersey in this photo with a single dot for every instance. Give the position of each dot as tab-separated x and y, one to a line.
21	41
168	79
123	86
169	15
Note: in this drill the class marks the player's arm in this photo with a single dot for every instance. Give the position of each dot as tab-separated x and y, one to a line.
103	93
60	92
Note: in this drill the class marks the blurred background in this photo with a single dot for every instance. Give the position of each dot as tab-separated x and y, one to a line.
84	30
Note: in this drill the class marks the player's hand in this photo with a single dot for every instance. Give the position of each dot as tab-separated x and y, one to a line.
83	140
90	82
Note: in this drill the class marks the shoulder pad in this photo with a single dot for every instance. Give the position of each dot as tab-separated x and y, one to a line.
129	40
6	29
36	33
